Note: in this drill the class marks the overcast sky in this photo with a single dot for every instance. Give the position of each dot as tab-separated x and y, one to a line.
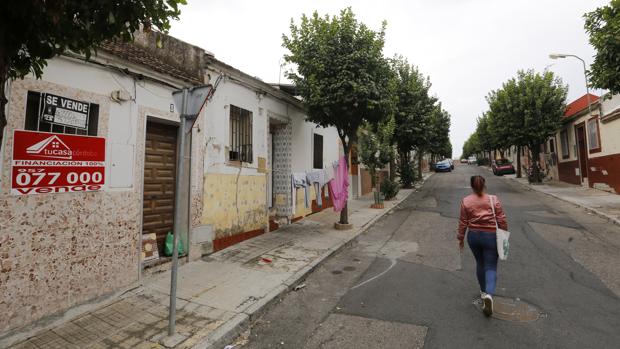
467	47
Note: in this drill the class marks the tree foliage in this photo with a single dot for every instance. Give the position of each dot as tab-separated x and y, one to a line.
376	148
524	112
33	31
341	73
603	27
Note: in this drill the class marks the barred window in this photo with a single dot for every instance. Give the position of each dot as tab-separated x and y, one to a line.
240	135
50	113
318	151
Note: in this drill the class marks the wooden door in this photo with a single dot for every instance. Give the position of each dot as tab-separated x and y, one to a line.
159	181
583	154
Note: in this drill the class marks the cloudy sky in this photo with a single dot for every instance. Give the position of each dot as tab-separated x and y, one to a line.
467	47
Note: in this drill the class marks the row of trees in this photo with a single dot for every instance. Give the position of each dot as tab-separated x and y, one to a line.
527	109
381	104
523	113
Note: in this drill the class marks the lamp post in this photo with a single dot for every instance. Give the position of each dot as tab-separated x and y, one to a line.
190	102
585	74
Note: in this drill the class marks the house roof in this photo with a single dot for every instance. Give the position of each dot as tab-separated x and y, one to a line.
579	105
170	56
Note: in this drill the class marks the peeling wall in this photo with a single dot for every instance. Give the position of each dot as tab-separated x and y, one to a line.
234	203
70	248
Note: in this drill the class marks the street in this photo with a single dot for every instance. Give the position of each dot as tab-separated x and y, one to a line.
404	284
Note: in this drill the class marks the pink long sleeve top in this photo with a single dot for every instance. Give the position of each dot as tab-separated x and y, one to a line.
476	214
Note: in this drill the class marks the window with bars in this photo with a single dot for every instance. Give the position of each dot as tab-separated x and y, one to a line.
318	151
240	135
41	116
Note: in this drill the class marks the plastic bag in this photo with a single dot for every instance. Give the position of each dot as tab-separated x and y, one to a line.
168	245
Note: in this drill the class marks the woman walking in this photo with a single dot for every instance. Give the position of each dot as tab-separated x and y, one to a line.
479	214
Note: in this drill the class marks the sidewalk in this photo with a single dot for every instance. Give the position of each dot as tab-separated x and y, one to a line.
596	201
217	296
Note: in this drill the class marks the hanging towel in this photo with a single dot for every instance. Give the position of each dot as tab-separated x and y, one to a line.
300	181
339	187
316	178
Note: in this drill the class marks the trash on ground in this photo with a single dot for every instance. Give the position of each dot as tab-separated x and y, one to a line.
299	287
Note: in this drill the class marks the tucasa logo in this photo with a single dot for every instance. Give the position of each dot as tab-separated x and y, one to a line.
51	147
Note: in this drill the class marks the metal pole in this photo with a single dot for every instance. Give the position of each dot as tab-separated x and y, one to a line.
177	217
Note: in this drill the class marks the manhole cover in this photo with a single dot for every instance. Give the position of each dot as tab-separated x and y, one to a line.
509	309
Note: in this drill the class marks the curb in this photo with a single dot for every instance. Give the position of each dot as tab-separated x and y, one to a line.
240	322
587	208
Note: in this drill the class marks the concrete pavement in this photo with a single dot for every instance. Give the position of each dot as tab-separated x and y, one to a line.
596	201
219	295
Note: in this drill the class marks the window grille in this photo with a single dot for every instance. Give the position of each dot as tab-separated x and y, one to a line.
240	135
318	151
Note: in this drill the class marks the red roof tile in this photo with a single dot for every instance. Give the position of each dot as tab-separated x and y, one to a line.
579	104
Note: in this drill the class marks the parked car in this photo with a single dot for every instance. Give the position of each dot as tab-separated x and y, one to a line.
443	166
463	161
502	166
450	162
472	160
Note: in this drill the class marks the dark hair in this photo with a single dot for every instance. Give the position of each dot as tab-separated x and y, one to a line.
477	184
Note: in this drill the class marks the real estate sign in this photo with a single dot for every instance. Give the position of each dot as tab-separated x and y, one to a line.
56	163
64	111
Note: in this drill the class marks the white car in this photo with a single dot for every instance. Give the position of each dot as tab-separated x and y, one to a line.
471	160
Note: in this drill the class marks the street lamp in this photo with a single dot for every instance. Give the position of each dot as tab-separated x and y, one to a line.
190	102
585	74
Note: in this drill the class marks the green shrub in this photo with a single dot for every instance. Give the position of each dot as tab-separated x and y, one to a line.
389	188
407	174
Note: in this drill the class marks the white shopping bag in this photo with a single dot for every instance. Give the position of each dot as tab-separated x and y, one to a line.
501	235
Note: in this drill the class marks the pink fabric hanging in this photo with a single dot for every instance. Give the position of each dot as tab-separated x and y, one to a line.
339	186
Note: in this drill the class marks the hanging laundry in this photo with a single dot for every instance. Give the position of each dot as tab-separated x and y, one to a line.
316	178
299	180
339	187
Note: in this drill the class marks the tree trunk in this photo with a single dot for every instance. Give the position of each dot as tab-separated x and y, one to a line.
3	100
535	165
519	161
419	165
344	214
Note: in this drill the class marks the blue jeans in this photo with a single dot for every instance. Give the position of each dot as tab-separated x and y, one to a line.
484	247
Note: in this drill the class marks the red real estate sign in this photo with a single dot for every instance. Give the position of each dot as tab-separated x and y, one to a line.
56	163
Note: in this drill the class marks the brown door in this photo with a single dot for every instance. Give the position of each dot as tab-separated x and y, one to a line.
159	181
583	155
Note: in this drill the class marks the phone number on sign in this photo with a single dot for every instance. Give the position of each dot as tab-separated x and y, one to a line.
31	180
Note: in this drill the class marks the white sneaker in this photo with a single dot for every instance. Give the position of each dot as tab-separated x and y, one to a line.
487	304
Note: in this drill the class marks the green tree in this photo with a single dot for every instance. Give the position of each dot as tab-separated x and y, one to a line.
413	111
530	106
438	134
376	148
33	31
341	73
471	146
603	27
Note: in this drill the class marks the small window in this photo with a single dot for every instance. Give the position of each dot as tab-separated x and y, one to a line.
240	135
593	143
318	151
46	112
565	147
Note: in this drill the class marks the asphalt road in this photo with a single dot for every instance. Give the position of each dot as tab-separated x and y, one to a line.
404	284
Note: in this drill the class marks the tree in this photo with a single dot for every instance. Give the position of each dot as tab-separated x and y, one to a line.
471	146
33	31
412	112
438	134
531	107
603	27
376	149
341	73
